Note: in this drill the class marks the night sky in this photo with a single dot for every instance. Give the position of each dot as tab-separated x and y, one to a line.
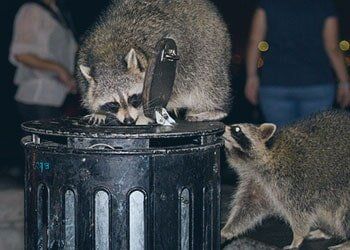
237	14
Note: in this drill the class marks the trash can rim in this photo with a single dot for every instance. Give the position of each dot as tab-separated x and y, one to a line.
71	127
137	151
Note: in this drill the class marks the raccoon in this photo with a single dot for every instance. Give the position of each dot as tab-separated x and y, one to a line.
115	54
248	244
300	173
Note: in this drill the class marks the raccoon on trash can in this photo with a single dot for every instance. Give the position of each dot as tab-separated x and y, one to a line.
115	54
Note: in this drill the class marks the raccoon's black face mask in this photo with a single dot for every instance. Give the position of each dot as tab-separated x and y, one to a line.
240	138
244	141
115	86
113	107
237	144
124	109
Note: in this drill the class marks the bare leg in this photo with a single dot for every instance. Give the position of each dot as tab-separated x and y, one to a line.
250	207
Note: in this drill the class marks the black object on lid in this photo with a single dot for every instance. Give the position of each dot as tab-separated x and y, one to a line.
160	77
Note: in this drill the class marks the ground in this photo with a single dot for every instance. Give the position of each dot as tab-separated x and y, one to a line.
11	215
273	234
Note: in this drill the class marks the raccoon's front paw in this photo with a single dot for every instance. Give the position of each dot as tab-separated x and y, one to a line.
226	236
205	116
143	120
95	119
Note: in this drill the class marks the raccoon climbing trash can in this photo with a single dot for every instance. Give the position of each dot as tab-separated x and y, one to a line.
114	187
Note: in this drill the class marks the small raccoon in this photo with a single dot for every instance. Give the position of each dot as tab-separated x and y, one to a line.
300	173
115	54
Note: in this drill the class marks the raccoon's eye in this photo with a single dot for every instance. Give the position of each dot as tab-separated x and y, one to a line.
236	130
135	100
110	107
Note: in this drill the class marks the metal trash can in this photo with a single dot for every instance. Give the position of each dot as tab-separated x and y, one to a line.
144	187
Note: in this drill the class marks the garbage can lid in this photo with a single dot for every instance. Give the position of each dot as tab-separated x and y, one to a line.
73	127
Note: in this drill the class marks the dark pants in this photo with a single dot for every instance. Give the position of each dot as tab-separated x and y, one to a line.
37	112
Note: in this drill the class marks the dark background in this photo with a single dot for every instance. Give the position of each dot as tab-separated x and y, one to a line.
237	14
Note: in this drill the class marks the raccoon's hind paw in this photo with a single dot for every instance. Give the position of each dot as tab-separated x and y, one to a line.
343	246
205	116
95	119
317	234
295	244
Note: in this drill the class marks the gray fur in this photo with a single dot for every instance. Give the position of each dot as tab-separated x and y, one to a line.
248	244
301	174
202	82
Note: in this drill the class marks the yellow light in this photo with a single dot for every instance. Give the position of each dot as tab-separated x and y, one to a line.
344	45
263	46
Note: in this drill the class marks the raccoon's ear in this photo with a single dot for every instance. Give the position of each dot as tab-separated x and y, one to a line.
136	63
86	71
131	60
267	131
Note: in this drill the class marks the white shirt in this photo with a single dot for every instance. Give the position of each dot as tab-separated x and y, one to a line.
37	32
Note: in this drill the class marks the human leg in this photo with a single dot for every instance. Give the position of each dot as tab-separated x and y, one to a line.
277	105
314	99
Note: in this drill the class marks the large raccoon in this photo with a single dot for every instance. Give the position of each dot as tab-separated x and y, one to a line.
300	173
115	54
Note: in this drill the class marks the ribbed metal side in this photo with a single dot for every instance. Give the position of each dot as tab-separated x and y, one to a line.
185	218
69	220
102	220
42	216
136	220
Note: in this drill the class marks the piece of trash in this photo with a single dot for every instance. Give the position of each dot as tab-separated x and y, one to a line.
163	118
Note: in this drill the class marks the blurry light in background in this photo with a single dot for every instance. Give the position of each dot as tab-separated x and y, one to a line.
344	45
263	46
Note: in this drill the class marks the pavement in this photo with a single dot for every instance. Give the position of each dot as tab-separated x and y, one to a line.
11	215
271	234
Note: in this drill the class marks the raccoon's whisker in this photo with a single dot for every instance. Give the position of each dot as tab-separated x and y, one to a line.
150	102
176	112
147	109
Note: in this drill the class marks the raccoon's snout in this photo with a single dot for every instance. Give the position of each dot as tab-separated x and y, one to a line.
127	116
227	135
129	121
